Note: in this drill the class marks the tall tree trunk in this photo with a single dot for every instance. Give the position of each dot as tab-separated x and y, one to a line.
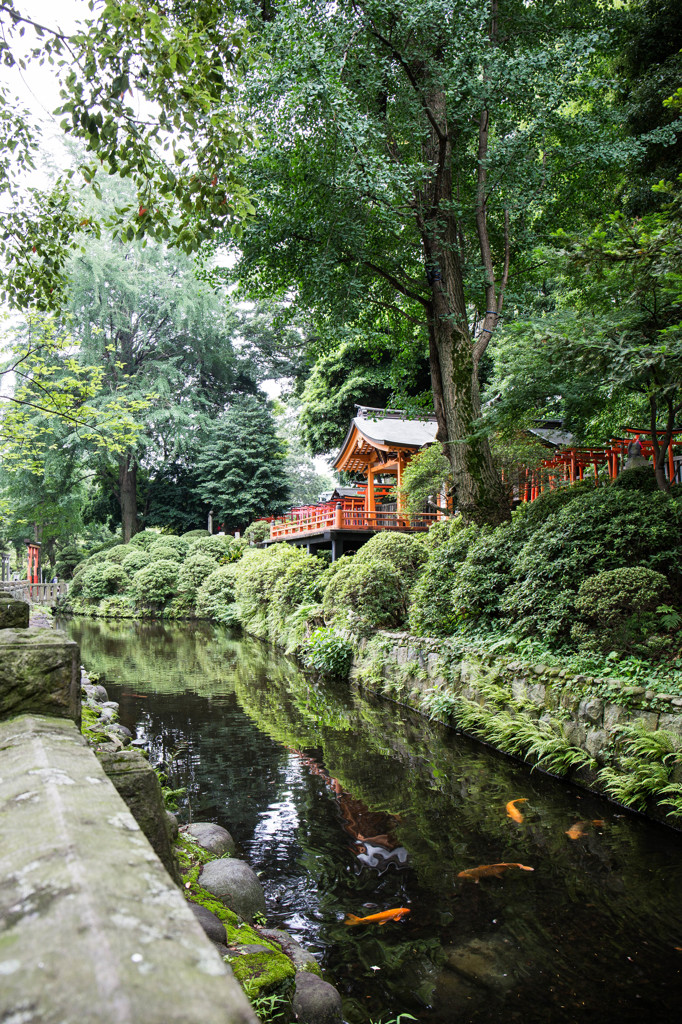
481	496
127	495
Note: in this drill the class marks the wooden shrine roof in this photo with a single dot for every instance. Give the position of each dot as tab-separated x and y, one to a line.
380	430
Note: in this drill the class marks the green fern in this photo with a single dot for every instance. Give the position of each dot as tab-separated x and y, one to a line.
645	765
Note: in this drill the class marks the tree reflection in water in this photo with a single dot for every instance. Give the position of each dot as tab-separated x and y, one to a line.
347	804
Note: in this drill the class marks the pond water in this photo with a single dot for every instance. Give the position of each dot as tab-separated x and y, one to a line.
351	805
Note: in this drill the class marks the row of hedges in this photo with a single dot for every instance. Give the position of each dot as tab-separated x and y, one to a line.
592	571
156	574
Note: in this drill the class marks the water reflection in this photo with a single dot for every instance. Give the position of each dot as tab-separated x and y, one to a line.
349	805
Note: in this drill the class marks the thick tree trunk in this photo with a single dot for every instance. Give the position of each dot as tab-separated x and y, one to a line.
127	495
481	496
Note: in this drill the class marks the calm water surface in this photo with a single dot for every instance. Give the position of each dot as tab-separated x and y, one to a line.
345	804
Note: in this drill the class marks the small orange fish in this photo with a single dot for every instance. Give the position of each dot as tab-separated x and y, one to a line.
597	821
382	918
512	810
490	870
577	830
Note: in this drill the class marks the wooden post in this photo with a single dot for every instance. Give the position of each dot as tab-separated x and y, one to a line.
370	506
399	505
338	516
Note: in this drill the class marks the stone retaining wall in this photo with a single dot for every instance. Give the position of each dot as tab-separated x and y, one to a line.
92	928
585	713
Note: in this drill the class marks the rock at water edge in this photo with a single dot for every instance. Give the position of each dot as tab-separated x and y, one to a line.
235	884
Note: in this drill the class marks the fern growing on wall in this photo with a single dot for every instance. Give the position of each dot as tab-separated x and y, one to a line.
643	769
540	743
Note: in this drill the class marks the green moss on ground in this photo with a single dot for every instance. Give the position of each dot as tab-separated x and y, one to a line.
260	973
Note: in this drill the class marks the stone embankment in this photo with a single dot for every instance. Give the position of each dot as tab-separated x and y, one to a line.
95	927
583	724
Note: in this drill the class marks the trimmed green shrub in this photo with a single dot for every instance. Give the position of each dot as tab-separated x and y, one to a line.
432	609
194	535
215	596
117	553
162	551
328	652
176	544
67	560
404	551
365	595
256	576
156	583
218	547
102	580
137	558
302	581
620	611
145	539
525	575
609	528
641	478
257	532
195	570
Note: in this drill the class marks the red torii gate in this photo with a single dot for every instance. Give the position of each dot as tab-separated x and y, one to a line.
569	464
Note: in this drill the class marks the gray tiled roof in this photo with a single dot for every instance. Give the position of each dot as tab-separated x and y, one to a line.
391	430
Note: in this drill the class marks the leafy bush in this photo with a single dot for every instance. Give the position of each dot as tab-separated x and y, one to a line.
215	596
194	571
137	558
328	652
405	552
145	539
218	547
67	560
156	583
256	576
609	528
162	551
365	595
192	535
178	545
641	478
620	610
432	611
102	580
525	575
257	532
117	553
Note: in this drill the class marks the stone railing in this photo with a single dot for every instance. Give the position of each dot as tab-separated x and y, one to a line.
94	930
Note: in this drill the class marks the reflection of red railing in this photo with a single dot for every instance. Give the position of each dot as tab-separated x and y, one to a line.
346	517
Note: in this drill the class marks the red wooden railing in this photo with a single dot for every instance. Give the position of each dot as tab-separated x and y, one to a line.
348	514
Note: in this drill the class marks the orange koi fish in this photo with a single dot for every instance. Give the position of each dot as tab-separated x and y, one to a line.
512	810
577	830
386	915
490	871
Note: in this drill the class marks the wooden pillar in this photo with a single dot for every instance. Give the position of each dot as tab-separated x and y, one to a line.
370	506
399	505
671	463
596	472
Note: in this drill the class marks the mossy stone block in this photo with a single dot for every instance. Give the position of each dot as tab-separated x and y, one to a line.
39	674
138	784
13	613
